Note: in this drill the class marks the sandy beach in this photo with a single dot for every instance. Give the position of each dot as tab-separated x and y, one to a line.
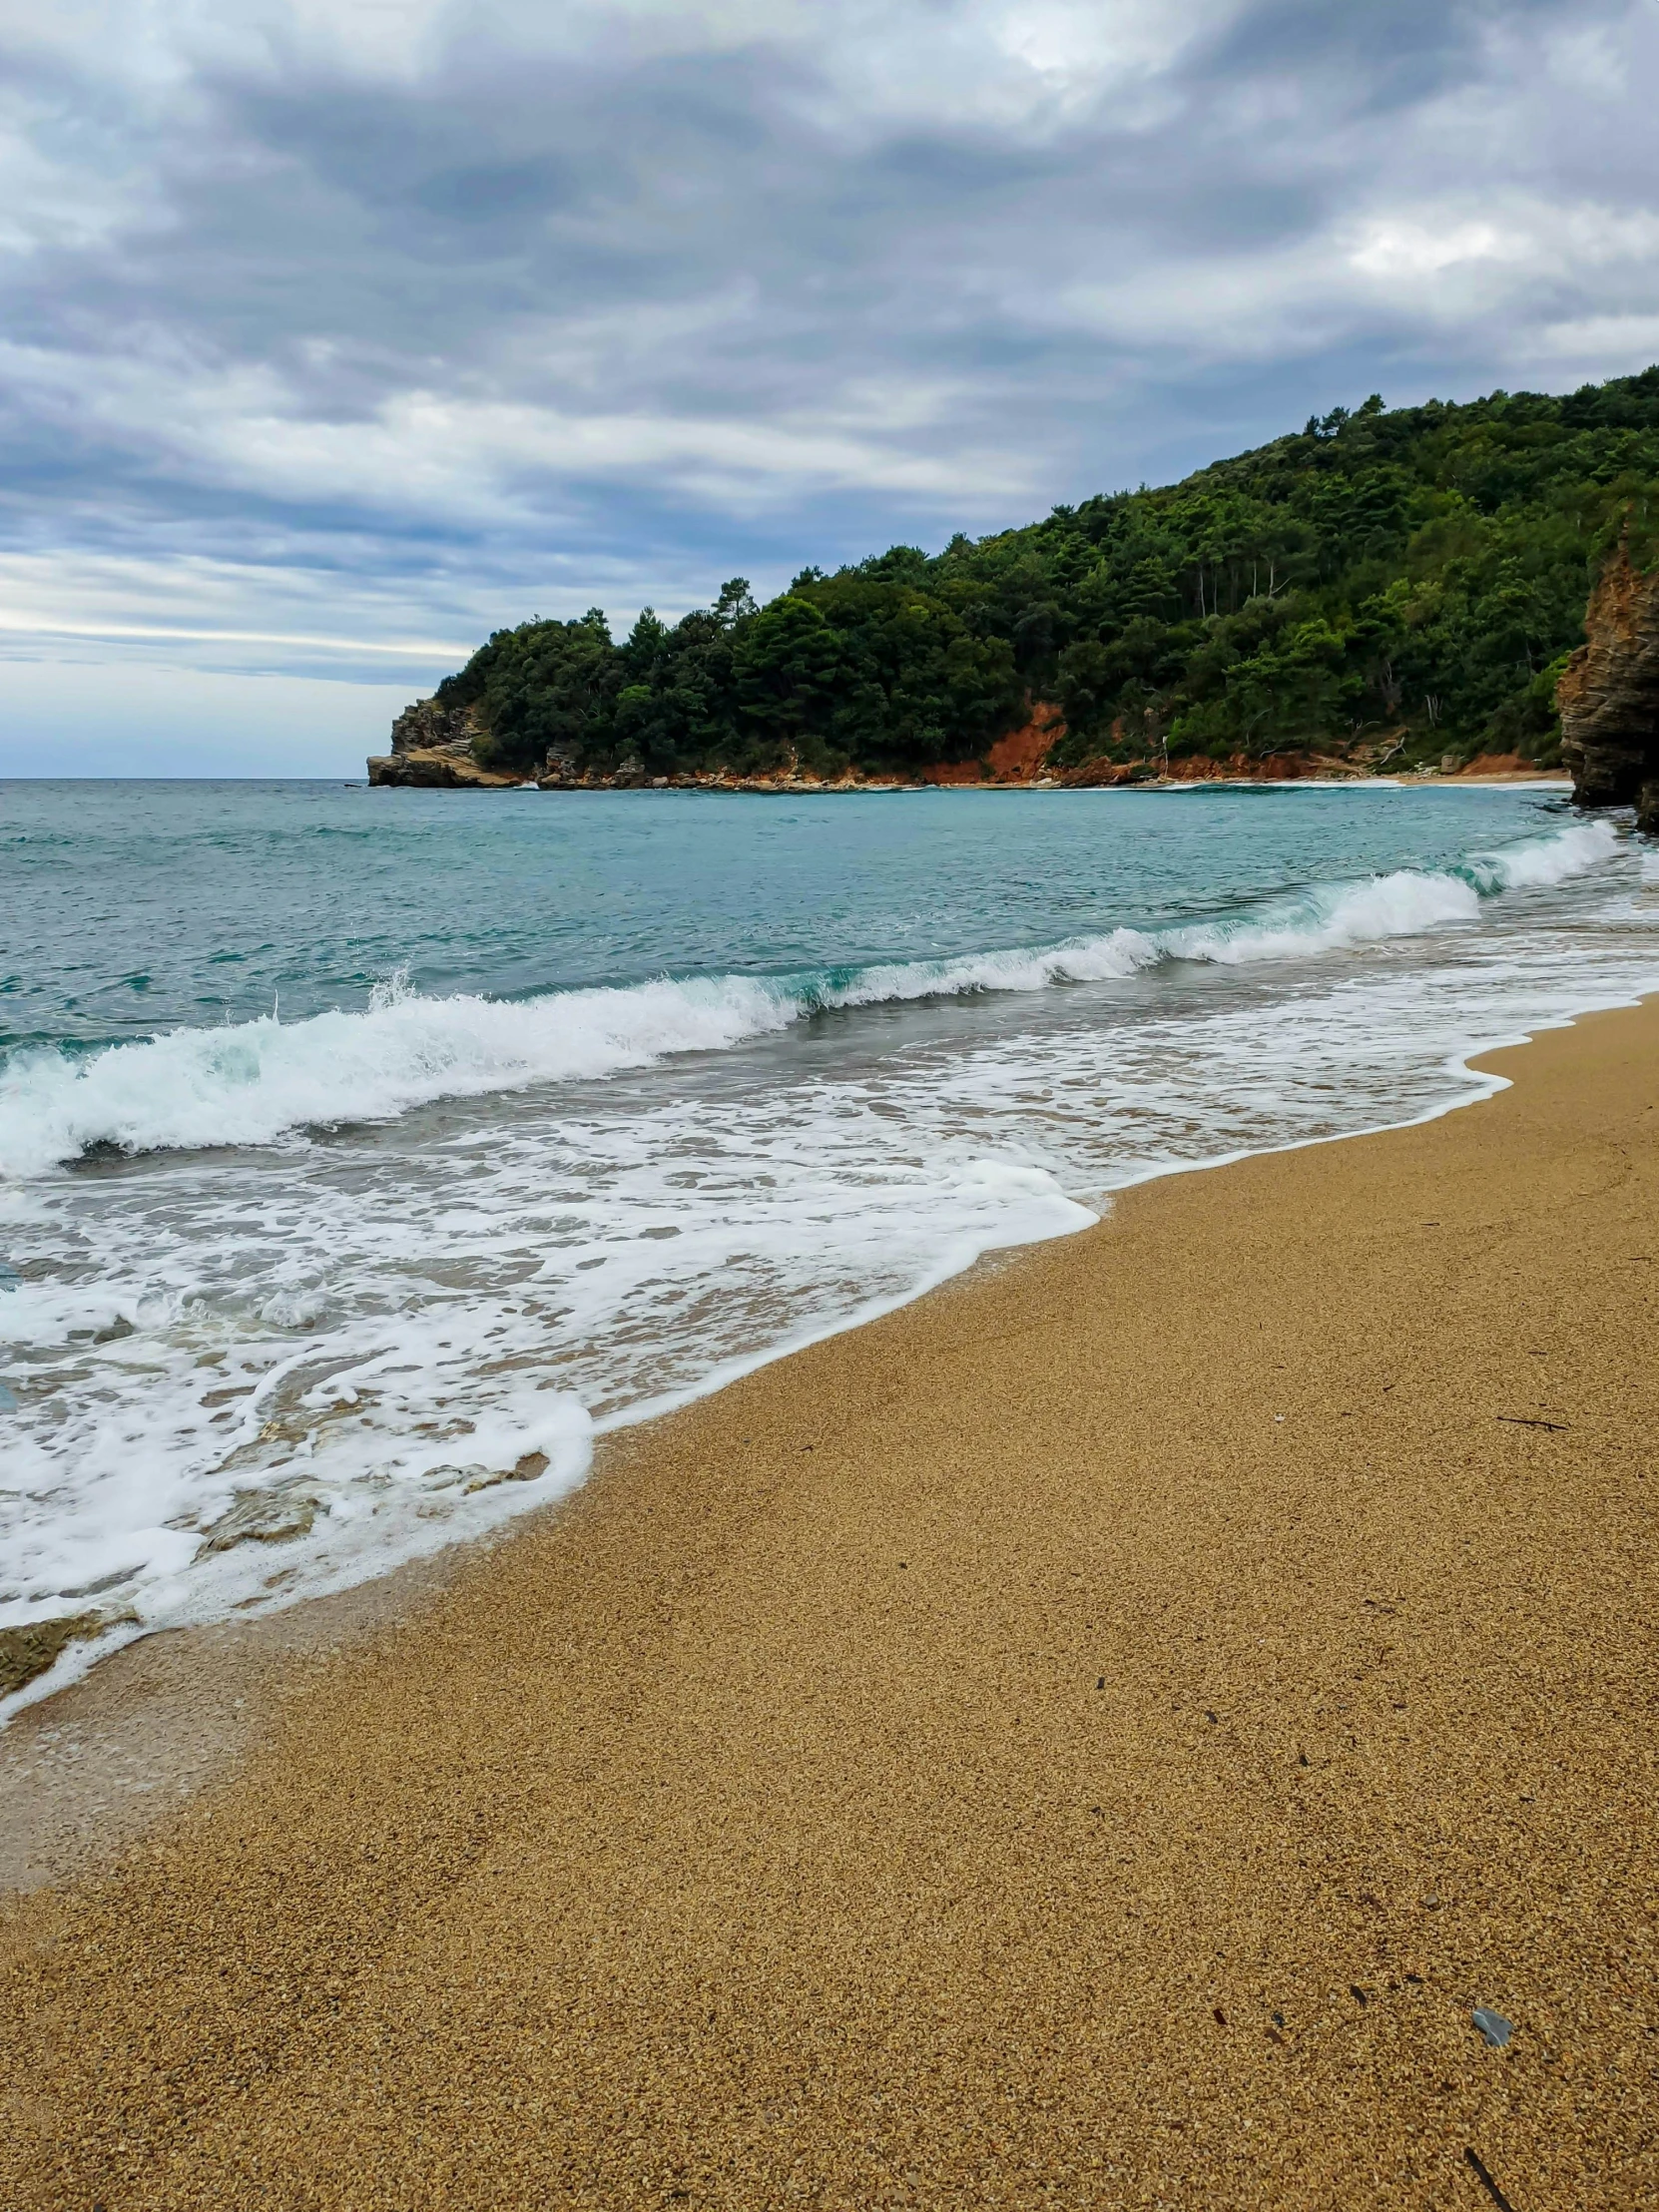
1091	1738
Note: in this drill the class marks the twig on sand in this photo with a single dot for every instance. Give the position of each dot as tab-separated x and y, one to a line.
1487	2183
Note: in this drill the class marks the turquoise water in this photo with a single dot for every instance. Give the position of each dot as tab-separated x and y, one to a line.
133	907
357	1146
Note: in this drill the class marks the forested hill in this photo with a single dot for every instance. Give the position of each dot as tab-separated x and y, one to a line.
1398	583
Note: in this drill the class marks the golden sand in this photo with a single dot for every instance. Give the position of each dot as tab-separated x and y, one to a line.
1091	1738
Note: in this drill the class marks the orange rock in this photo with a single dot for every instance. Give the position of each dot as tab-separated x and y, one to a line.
1018	758
1609	694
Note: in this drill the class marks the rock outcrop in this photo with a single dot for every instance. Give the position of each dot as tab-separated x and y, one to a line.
28	1651
1609	694
431	748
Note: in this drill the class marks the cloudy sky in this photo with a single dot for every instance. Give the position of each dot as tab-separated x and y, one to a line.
337	332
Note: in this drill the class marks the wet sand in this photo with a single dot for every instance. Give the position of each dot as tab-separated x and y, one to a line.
1091	1738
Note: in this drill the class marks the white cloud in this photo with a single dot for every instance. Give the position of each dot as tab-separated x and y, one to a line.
987	59
1027	65
341	326
1399	249
176	609
1603	344
1417	264
469	459
1533	238
1588	61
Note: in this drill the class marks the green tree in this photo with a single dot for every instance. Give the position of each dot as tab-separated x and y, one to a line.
1416	570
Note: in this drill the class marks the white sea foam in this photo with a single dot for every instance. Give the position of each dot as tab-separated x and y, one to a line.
375	1333
251	1083
259	1081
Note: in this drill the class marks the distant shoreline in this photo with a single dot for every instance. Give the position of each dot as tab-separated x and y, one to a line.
759	788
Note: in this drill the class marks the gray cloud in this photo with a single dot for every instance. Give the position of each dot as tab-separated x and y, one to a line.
382	326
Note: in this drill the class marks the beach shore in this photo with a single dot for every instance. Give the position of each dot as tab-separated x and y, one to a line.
1092	1737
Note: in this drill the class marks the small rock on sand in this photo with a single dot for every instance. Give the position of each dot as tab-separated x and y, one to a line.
262	1518
28	1651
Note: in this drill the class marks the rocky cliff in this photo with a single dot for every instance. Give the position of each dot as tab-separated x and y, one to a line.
431	748
1609	694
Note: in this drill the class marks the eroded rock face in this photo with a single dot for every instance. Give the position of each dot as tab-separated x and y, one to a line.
1609	694
428	726
435	772
431	748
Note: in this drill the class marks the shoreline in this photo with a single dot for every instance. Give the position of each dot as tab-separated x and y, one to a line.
191	1732
798	787
136	1623
753	1827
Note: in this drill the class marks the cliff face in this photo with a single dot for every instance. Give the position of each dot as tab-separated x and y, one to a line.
1019	758
1609	694
431	748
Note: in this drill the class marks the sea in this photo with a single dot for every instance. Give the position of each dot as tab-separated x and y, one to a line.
364	1155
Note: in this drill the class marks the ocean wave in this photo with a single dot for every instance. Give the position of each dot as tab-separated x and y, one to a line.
257	1082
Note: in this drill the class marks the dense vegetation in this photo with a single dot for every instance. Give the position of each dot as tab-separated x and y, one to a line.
1401	582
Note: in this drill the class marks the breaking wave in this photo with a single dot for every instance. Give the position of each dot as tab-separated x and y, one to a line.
255	1083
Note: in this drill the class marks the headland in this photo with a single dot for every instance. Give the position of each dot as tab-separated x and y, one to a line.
436	749
1392	590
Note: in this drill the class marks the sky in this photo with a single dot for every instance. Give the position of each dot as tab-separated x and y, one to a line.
337	333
